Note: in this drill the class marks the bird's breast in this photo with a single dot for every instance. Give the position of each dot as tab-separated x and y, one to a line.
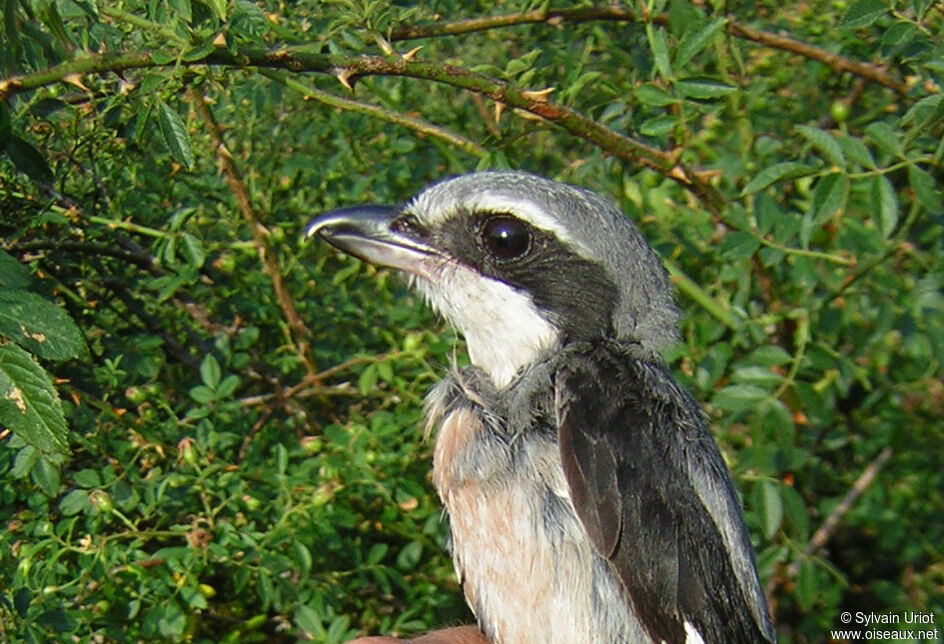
527	569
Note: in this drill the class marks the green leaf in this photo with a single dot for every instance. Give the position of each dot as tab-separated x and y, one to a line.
882	134
883	196
829	197
175	134
737	398
74	502
367	379
29	404
772	507
697	39
376	554
410	555
925	189
703	88
777	172
659	126
738	245
12	273
857	151
825	144
925	114
45	474
87	478
210	372
650	94
660	50
28	160
862	14
39	325
308	619
193	250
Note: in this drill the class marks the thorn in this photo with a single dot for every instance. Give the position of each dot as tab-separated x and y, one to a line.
537	95
220	40
343	76
410	55
499	108
76	79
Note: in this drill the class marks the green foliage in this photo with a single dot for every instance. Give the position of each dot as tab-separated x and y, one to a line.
243	412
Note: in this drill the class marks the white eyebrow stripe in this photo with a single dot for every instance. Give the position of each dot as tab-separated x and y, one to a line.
434	207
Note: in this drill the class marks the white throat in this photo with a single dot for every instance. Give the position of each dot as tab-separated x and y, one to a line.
503	330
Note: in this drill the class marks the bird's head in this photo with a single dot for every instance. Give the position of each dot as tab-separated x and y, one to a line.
519	264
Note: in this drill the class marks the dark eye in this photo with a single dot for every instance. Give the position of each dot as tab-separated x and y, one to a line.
404	224
506	238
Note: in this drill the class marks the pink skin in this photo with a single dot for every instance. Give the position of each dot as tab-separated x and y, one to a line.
457	635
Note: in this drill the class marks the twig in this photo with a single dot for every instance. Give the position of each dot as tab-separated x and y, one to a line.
299	332
621	14
418	125
544	15
837	62
825	531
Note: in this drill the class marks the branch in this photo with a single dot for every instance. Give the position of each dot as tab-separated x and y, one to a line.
620	14
543	15
828	527
299	332
348	68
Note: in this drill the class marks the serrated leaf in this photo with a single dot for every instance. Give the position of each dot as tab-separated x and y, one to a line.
210	372
87	478
829	197
737	398
882	134
12	273
308	620
884	197
777	172
650	94
862	14
193	250
697	39
770	355
28	160
825	144
74	502
738	245
45	475
39	325
925	189
857	151
175	134
660	50
29	404
703	88
924	114
367	379
659	126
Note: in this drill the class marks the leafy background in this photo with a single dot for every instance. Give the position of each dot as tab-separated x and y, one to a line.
211	431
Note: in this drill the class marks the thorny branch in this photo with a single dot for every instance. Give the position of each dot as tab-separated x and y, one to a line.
617	13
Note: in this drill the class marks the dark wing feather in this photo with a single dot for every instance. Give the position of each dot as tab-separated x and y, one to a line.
653	493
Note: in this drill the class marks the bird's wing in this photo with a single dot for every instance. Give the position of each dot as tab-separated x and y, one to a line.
653	493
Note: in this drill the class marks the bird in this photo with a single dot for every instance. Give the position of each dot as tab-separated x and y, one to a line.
587	499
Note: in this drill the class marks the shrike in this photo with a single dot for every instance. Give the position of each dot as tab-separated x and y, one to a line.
588	502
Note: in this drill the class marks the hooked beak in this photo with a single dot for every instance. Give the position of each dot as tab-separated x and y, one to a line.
366	233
